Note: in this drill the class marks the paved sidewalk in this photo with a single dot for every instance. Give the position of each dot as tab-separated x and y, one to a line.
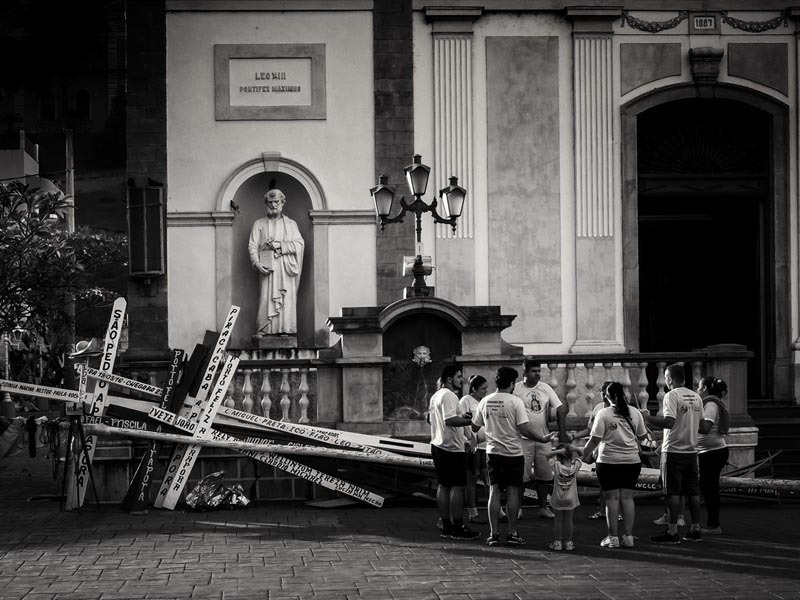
289	551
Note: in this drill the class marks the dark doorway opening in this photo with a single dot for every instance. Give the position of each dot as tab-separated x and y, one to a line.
705	247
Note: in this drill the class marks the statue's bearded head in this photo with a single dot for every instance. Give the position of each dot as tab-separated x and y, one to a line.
274	199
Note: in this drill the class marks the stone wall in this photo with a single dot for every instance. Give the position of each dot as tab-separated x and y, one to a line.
146	122
394	134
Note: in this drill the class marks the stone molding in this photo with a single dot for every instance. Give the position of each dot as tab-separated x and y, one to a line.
200	219
271	161
266	5
343	217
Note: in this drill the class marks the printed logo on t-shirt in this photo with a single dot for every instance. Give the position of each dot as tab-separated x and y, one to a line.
684	409
536	406
612	426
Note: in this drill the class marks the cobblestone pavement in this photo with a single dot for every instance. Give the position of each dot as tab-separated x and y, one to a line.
289	551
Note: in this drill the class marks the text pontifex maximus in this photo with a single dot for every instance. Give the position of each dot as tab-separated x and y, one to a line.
266	88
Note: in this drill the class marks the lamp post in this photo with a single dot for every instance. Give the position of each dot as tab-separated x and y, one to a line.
7	408
417	177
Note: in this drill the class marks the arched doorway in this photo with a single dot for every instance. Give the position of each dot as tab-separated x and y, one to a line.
705	225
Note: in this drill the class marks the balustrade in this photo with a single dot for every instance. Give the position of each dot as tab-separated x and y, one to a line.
284	390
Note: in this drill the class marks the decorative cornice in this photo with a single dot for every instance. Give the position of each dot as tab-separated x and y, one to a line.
200	219
343	217
452	19
653	26
589	20
704	63
266	5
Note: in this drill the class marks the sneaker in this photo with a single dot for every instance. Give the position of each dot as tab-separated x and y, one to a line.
493	540
662	520
610	541
711	530
693	536
445	534
515	539
465	533
556	545
546	513
477	520
597	515
666	538
569	546
627	541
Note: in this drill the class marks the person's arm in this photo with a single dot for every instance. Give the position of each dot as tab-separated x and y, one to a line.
459	420
561	418
663	422
588	449
555	452
710	414
527	431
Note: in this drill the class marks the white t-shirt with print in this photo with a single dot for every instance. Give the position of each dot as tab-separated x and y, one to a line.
500	414
444	404
618	444
713	440
470	404
686	407
538	401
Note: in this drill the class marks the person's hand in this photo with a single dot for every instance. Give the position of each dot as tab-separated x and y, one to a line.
467	415
571	436
645	412
588	458
262	269
551	436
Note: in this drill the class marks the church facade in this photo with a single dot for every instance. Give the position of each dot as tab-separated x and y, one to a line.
631	171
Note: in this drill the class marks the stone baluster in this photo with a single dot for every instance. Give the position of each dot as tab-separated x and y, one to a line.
589	388
229	402
247	390
303	402
553	377
697	374
152	378
285	389
572	392
626	380
643	396
266	402
661	382
609	376
244	355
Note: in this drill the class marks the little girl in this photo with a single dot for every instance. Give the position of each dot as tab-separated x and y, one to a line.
564	499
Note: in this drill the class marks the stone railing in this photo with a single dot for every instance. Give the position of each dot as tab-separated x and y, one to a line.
577	378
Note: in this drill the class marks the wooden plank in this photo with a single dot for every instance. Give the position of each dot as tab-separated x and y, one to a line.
135	499
76	493
177	473
193	411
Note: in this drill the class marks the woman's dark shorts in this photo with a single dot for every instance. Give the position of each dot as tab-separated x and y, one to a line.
614	477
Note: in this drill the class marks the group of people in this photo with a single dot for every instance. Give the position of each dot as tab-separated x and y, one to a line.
504	438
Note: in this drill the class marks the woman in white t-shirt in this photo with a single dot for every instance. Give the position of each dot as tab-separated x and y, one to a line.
476	444
614	433
712	450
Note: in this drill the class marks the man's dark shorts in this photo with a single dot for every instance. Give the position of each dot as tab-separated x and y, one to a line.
506	470
680	474
451	467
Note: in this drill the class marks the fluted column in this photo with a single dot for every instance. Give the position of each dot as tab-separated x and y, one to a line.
593	106
453	144
452	105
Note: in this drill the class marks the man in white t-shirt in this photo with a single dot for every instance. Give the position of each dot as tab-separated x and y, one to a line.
683	411
505	422
449	457
542	405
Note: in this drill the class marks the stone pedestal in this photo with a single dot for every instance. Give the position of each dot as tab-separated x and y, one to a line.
274	342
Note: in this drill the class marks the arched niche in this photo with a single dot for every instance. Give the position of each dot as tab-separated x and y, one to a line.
242	200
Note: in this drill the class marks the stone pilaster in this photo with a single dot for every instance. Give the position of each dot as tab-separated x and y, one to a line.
453	145
594	178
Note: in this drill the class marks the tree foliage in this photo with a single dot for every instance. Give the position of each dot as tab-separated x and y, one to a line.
43	266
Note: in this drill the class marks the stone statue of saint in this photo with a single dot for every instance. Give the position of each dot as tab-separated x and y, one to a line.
276	252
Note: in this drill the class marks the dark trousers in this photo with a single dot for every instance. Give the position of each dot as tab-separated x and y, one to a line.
711	465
